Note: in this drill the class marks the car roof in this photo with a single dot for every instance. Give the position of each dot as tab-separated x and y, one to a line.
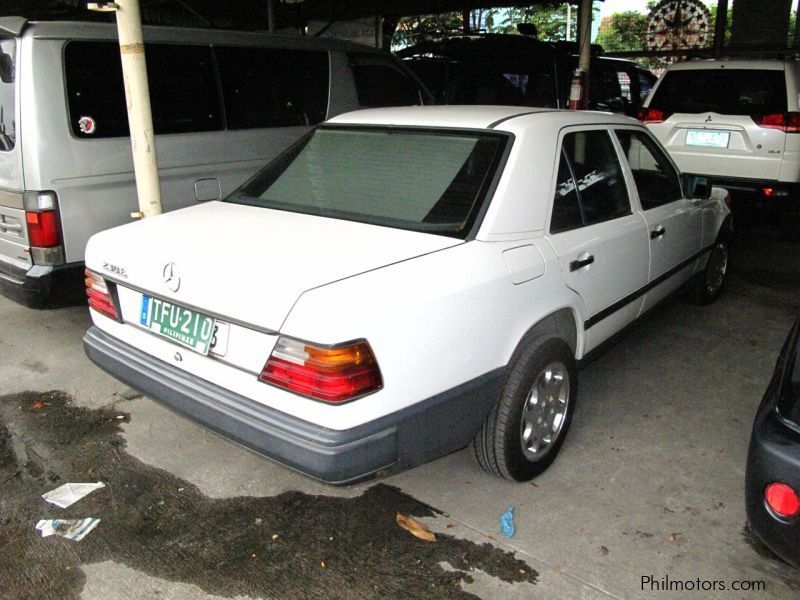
472	117
776	64
72	30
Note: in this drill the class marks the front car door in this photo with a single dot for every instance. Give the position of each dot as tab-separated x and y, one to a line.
674	222
602	244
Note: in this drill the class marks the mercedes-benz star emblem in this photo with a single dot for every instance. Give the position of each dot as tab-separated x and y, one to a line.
171	277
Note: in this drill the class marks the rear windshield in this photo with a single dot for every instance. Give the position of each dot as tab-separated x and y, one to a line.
422	180
725	91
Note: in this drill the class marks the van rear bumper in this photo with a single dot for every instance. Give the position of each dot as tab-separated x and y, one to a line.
421	432
781	190
40	286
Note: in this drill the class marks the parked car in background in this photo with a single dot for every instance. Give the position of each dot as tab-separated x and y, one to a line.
402	281
773	463
223	102
520	71
736	121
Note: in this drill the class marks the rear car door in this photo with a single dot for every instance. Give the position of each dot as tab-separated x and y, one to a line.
601	243
674	223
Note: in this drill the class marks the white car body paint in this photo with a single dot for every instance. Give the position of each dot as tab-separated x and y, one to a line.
437	311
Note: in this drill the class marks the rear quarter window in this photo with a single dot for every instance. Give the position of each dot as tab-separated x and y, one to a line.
725	91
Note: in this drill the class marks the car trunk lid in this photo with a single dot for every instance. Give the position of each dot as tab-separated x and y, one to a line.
244	263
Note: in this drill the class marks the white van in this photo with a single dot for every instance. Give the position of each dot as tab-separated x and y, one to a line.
223	103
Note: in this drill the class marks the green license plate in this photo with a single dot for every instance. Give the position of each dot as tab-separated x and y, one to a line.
181	325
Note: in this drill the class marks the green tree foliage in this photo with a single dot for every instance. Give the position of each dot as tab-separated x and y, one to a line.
623	31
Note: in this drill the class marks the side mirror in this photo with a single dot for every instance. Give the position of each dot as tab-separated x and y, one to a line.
697	186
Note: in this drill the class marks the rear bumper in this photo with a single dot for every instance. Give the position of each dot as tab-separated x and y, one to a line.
774	456
781	189
424	431
37	286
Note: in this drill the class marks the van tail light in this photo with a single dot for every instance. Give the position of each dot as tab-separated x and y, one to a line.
782	500
786	122
333	375
44	230
652	115
99	296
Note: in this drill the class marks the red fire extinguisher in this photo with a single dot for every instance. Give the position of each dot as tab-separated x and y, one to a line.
576	89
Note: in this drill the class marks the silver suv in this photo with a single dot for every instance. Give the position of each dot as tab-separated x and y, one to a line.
734	121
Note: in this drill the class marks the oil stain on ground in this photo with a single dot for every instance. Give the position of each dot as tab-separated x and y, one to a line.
290	546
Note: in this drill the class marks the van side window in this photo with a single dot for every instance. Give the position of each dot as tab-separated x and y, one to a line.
379	82
8	124
273	87
183	89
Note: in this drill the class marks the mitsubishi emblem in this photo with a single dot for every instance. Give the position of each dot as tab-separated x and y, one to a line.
708	119
171	277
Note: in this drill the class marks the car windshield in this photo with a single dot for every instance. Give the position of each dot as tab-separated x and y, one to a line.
418	179
724	91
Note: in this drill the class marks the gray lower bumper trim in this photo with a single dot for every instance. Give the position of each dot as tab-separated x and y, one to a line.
419	433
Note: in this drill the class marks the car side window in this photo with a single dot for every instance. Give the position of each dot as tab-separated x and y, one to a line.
566	206
656	179
601	190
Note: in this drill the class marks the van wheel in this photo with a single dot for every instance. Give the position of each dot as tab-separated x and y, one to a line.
709	283
527	426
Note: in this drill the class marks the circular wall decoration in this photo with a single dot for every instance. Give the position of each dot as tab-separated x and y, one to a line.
678	25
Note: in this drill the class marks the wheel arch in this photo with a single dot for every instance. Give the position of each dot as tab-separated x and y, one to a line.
563	324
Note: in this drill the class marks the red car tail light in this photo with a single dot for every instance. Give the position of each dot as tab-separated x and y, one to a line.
332	375
782	500
652	115
99	296
786	122
43	228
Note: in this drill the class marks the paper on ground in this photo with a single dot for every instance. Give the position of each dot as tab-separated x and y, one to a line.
69	493
73	529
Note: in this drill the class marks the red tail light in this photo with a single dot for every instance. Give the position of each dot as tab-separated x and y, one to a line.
43	231
652	115
99	297
782	499
333	375
786	122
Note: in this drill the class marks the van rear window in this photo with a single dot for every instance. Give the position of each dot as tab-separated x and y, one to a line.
725	91
183	90
8	124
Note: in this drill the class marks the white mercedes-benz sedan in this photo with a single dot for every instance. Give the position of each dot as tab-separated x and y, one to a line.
403	281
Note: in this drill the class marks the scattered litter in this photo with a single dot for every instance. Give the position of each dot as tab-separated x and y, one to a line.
259	520
507	526
73	529
415	528
274	536
322	564
673	537
120	417
38	405
68	494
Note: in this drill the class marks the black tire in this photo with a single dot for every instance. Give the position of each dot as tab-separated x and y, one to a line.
501	446
708	284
